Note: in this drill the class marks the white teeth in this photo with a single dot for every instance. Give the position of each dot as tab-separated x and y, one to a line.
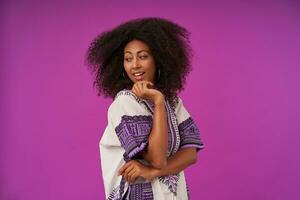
138	73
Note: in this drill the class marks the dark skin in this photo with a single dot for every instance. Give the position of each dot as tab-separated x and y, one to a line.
156	153
178	162
181	160
138	59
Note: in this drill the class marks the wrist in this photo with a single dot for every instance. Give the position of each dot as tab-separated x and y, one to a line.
155	173
159	100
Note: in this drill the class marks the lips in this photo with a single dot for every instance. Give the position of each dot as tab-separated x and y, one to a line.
138	75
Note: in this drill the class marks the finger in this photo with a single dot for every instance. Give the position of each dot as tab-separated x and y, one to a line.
150	84
121	170
134	86
147	85
147	82
128	172
129	175
139	89
132	176
144	86
127	169
134	90
139	85
135	176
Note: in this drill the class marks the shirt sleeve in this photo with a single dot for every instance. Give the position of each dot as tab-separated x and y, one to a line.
188	130
132	123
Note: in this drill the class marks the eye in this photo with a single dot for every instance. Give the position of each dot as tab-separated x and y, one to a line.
128	59
143	56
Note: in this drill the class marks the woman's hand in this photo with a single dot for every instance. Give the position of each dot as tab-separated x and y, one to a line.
144	89
133	169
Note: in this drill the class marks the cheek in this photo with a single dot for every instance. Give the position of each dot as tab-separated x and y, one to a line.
151	67
153	71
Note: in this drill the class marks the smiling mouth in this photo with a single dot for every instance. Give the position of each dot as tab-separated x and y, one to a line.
138	75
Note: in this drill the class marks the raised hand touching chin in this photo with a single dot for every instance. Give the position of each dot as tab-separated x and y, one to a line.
145	89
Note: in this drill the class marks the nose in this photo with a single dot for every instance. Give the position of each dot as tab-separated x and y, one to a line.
136	63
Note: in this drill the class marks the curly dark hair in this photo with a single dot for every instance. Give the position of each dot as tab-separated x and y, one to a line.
168	42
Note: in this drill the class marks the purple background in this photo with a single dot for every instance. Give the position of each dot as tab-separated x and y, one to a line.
243	93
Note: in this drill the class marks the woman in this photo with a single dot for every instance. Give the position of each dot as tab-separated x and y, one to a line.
150	137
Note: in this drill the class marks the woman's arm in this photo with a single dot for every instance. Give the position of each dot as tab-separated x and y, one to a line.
181	160
156	152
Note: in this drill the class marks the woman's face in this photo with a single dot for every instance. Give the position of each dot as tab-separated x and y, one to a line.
139	62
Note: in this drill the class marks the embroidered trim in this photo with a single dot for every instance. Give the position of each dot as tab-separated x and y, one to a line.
133	133
140	191
175	134
173	144
117	192
132	147
130	93
171	181
189	134
149	106
139	100
114	194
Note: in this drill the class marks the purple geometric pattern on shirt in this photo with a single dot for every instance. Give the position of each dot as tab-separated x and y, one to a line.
117	192
133	132
171	181
173	135
140	191
189	134
134	143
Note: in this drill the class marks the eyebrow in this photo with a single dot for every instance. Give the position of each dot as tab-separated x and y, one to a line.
137	52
